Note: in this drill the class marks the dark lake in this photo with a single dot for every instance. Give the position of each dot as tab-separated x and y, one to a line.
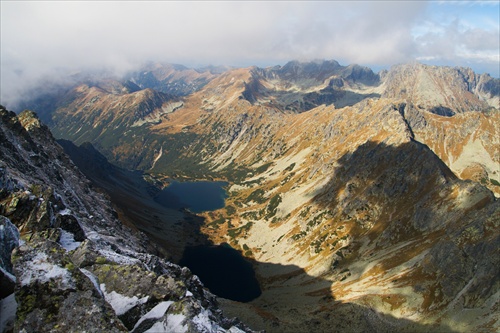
223	270
197	196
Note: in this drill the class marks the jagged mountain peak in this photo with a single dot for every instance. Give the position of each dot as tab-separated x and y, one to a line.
442	90
214	69
176	80
319	71
297	68
301	86
127	108
115	87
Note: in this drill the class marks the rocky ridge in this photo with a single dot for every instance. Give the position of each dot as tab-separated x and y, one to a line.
442	90
69	265
467	142
299	87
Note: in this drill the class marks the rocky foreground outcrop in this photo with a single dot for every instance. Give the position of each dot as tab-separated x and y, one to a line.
67	264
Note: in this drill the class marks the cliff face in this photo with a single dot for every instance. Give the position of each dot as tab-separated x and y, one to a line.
68	264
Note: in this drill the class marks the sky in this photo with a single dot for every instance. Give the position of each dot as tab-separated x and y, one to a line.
48	39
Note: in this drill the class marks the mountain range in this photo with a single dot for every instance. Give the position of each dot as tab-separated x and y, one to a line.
365	201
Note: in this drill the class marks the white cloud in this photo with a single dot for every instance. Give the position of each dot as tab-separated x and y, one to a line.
459	43
39	37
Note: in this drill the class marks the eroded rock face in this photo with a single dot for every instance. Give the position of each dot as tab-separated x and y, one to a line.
9	239
76	267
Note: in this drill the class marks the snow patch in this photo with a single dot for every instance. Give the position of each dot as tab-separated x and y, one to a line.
93	236
67	241
118	258
120	303
39	270
65	211
204	324
173	324
157	312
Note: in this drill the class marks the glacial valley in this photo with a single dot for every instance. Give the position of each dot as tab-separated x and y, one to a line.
362	201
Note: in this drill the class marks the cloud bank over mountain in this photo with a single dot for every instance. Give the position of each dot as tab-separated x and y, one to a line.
39	39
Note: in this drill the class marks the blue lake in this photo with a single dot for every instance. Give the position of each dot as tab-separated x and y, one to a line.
197	196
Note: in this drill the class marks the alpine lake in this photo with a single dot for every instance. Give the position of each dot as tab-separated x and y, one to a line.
195	196
222	269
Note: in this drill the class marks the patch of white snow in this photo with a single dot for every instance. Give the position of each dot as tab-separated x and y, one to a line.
173	324
67	241
157	312
120	303
157	157
118	258
42	271
234	329
65	211
204	324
